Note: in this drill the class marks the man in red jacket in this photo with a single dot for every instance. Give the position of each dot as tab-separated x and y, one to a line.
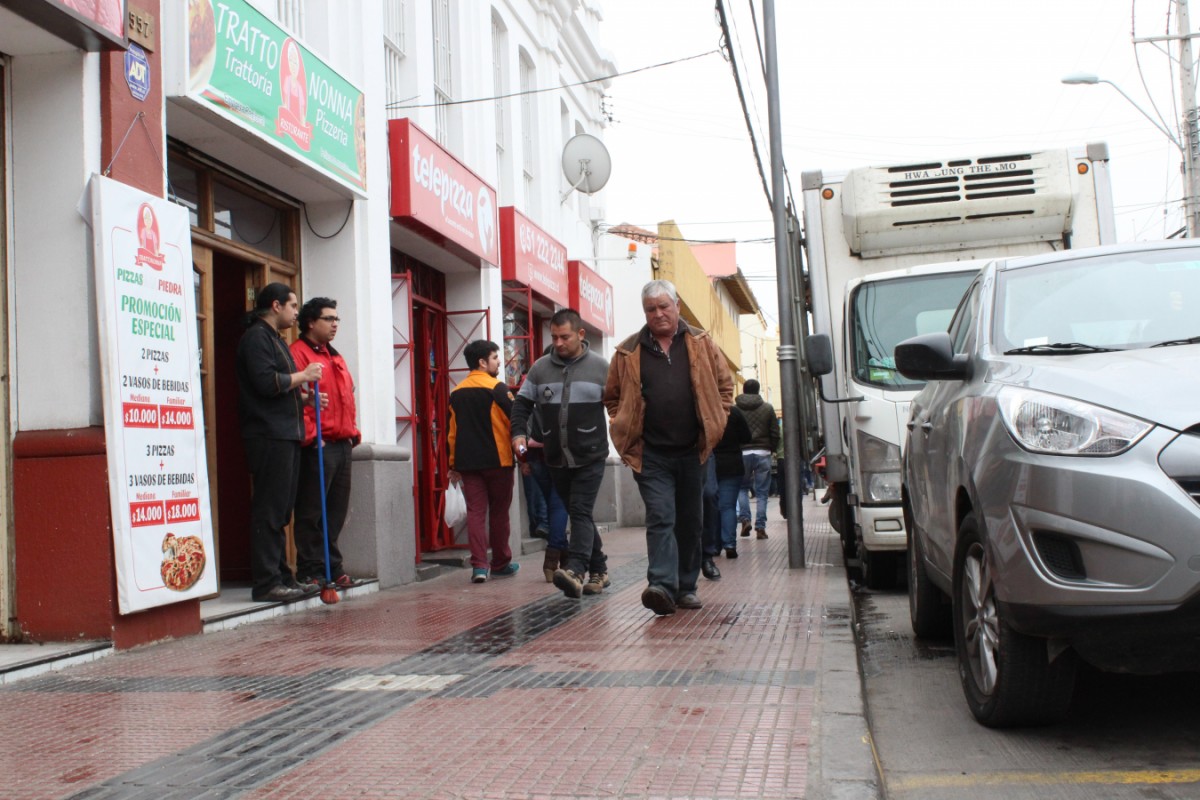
318	325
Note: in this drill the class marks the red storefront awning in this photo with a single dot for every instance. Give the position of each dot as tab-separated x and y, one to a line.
592	297
436	195
532	257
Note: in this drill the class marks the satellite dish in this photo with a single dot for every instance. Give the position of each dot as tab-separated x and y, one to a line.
586	163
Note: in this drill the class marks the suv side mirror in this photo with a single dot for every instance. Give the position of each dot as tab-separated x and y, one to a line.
930	357
819	351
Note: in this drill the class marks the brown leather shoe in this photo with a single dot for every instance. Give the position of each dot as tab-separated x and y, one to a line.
551	562
762	533
658	600
689	600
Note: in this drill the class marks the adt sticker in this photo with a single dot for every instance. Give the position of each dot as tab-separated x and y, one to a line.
137	71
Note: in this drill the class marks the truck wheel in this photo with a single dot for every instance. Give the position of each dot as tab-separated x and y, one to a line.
928	608
839	520
1006	676
878	569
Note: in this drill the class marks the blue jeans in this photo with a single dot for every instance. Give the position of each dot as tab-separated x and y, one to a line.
578	487
671	487
720	510
757	477
535	503
556	512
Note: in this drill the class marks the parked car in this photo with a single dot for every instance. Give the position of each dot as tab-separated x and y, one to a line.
1051	475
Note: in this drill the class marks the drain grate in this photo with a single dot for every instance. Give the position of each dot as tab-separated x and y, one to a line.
396	683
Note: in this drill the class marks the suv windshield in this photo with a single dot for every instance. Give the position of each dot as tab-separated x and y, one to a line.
1121	301
885	313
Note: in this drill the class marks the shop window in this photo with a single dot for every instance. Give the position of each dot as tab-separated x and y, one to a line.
247	220
232	206
185	188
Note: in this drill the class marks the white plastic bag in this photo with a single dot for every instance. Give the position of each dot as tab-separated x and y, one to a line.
455	512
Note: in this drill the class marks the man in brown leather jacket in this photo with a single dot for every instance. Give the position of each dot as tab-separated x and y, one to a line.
668	396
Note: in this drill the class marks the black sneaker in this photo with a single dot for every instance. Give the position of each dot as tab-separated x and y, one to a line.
281	594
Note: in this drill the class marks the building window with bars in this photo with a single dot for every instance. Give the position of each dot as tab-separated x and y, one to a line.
529	131
499	89
443	69
393	54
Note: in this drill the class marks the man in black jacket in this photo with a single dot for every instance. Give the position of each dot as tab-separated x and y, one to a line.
756	455
271	396
566	386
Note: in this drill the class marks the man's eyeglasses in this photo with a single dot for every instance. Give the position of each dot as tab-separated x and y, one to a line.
330	319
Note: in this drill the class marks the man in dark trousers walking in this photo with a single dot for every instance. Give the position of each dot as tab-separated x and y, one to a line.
565	387
668	396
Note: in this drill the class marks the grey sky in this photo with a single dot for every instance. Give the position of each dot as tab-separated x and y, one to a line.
877	82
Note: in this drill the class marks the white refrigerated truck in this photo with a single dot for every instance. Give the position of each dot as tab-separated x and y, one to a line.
889	254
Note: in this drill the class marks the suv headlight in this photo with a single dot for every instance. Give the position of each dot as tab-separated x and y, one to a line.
880	465
1050	423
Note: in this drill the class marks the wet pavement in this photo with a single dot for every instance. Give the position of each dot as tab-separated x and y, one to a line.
447	689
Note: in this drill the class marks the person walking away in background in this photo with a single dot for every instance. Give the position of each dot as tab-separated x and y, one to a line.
565	389
339	433
764	438
722	483
668	395
270	397
481	459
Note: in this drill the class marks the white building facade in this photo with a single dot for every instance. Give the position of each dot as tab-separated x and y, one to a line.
275	123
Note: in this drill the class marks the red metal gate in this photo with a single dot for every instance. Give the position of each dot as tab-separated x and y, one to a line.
432	358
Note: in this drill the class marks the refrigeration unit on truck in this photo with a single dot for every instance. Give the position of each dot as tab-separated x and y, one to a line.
889	254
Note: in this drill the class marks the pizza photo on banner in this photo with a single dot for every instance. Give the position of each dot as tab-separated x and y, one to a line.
153	412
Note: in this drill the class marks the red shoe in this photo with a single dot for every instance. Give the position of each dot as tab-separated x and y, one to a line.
344	581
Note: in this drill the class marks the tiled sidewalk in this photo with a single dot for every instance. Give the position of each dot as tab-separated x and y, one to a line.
446	689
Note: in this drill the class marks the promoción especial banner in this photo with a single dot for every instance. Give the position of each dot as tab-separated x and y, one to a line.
153	409
251	71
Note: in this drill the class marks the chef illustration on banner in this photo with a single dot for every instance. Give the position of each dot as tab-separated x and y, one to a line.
154	422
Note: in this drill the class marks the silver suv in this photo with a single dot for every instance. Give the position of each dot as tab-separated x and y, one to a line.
1051	477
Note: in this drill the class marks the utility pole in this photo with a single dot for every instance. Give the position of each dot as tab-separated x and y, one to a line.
788	373
1191	134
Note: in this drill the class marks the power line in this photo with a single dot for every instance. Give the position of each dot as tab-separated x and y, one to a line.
726	44
403	107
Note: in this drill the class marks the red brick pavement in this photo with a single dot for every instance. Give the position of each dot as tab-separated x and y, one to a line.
542	697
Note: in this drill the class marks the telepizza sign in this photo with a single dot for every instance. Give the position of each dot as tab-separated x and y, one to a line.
532	257
153	412
592	297
435	193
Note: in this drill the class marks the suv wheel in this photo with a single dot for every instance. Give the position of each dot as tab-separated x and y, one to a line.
1006	676
928	608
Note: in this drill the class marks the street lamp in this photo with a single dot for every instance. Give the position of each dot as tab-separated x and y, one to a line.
1191	175
1086	79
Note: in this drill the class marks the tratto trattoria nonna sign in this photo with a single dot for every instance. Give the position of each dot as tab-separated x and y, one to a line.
250	71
